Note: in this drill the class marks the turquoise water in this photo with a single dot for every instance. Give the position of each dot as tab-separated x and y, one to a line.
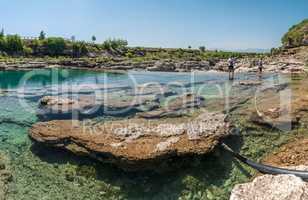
41	173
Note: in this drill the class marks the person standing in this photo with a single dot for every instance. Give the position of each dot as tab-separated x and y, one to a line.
231	62
260	65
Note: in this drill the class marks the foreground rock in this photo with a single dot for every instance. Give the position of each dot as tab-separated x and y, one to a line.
5	177
135	144
281	187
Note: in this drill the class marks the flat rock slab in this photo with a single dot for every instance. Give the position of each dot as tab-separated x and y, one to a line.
135	144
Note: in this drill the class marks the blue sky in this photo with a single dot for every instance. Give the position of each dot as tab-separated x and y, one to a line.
227	24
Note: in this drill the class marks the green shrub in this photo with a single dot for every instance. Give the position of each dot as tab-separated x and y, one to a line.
14	44
55	46
79	49
114	44
202	48
27	51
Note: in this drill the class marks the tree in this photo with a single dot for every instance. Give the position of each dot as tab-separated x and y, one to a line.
55	46
2	33
93	38
14	44
79	49
114	44
2	44
35	46
2	40
189	47
202	48
73	38
42	35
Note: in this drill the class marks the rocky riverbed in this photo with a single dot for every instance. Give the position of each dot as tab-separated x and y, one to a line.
47	169
5	176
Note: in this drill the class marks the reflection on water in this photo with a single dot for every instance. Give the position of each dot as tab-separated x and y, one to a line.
44	174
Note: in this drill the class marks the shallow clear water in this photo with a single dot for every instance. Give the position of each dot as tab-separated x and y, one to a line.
50	174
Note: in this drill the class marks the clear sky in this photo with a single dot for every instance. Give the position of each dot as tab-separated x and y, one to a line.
227	24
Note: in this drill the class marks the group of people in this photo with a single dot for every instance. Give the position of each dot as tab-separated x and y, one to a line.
232	62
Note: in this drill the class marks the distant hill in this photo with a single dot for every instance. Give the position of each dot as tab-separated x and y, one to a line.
297	35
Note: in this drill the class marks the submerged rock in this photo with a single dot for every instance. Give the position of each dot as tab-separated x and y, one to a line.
5	177
86	106
176	107
135	144
280	187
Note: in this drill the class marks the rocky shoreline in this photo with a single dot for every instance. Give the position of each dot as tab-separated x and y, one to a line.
290	61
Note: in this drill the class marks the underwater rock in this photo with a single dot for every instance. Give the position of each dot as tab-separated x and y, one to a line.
51	100
280	187
5	176
176	107
278	107
135	144
58	107
87	106
275	118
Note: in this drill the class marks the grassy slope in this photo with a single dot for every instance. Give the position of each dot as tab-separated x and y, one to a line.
296	34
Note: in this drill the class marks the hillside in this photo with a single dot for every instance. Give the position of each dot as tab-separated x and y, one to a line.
297	35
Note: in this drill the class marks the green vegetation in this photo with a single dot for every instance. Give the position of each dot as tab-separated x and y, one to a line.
42	36
11	44
55	46
202	48
110	49
114	44
296	35
80	49
93	38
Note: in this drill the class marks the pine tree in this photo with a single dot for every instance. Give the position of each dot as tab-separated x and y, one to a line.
42	35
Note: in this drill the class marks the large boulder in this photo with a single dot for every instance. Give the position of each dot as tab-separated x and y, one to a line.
280	187
136	143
